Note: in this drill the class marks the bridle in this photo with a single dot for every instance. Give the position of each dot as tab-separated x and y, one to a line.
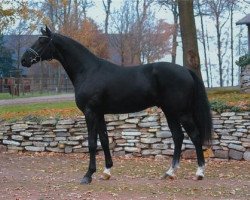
38	57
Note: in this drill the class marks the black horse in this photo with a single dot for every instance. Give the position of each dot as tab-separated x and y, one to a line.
102	87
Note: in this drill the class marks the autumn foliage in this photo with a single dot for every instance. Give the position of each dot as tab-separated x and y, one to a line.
88	34
56	176
157	41
139	37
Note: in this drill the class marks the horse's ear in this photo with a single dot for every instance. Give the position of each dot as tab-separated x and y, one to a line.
48	31
43	31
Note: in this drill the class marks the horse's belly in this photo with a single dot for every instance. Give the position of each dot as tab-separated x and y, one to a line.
129	104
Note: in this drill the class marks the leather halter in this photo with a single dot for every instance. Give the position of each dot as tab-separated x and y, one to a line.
36	54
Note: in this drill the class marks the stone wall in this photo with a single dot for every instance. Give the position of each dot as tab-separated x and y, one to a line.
141	134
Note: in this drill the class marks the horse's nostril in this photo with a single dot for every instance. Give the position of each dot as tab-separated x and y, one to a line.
23	62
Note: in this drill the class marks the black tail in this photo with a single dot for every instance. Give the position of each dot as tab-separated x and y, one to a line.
201	110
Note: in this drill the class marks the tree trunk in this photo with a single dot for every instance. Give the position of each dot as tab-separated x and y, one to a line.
203	42
107	11
76	20
232	43
175	33
209	61
218	33
191	57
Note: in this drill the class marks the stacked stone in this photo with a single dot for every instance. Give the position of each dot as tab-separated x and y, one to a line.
231	135
136	133
143	133
62	136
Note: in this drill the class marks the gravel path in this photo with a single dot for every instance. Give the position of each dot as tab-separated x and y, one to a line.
51	98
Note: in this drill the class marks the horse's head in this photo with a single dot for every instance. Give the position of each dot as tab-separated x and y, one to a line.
42	49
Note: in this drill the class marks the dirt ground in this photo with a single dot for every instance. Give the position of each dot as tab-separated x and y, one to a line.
41	176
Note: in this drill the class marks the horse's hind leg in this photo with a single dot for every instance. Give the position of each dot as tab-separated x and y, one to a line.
103	135
192	131
175	128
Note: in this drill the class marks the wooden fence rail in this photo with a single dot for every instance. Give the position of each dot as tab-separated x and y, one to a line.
17	86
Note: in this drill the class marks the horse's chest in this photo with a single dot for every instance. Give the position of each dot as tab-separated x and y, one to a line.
87	99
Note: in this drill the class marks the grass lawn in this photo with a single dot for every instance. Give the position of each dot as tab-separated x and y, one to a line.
233	95
224	99
4	96
39	110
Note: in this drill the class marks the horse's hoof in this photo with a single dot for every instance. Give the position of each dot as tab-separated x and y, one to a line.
198	178
167	176
105	176
86	180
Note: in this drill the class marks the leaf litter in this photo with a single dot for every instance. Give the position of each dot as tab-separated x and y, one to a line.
57	176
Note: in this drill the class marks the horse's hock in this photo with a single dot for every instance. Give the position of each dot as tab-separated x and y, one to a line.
245	79
142	134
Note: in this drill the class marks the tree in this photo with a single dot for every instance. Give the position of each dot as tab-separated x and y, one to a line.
173	6
92	37
232	6
70	18
12	11
122	21
209	60
191	57
138	36
107	11
217	10
6	61
201	13
156	42
6	15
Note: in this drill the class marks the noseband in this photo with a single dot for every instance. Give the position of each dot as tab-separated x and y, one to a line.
35	53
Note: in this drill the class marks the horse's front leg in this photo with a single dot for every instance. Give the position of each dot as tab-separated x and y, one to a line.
92	125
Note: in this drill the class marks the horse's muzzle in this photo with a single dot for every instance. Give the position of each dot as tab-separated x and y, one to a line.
25	63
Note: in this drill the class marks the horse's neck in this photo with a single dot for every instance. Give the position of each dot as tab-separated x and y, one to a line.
75	58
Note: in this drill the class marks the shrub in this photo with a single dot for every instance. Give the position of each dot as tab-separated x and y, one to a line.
33	118
220	106
243	61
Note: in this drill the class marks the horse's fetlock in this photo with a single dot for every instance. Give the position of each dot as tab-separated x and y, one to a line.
92	170
109	165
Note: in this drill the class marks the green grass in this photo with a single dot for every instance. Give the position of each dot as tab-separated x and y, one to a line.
4	96
230	97
37	106
41	110
220	99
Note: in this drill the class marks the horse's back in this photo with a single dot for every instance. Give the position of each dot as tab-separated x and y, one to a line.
161	84
116	89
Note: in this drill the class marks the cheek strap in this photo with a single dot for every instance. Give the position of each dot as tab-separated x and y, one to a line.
37	56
